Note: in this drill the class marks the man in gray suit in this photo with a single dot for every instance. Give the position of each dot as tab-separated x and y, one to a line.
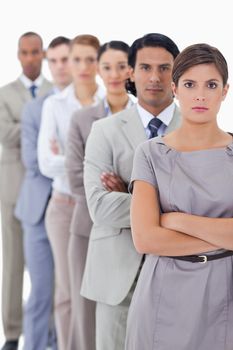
31	205
113	265
12	99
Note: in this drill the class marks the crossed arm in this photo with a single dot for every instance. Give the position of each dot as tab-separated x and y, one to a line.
174	234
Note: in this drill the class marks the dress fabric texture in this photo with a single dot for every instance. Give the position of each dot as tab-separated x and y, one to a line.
180	305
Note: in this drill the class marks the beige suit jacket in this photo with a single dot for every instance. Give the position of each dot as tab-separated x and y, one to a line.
12	99
112	261
79	130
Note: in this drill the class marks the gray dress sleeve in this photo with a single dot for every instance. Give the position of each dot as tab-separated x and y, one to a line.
142	167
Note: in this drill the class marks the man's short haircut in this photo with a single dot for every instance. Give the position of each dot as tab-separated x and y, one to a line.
59	40
28	34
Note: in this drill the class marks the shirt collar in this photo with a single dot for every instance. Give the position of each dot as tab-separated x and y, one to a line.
107	107
28	82
165	116
69	93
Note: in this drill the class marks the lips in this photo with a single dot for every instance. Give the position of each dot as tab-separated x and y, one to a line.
115	83
200	108
154	89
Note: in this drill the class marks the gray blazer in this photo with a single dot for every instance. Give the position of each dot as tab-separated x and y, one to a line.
36	188
112	261
79	130
12	99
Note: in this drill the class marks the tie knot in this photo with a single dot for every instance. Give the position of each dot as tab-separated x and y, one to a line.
33	90
153	126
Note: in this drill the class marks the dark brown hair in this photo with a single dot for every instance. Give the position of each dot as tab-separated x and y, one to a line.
199	54
59	40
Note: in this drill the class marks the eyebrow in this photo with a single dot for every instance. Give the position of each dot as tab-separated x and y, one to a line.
160	65
120	62
207	81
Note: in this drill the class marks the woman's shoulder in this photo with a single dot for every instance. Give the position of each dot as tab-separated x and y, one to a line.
154	146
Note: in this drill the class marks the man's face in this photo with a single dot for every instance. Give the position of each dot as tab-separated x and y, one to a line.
59	65
30	55
152	76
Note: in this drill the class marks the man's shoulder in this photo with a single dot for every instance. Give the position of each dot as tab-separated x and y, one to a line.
10	87
117	118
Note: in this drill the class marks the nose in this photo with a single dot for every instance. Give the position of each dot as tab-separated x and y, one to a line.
200	98
200	94
154	76
114	73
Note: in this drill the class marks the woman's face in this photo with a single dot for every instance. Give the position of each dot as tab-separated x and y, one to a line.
114	70
200	92
83	63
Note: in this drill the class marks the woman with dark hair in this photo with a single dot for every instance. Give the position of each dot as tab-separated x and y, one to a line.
114	70
182	209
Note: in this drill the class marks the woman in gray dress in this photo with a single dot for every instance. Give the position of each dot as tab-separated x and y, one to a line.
182	217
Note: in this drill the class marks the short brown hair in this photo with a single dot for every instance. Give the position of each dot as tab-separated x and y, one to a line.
59	40
196	54
86	39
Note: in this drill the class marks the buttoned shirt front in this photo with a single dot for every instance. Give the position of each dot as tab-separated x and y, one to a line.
56	115
28	82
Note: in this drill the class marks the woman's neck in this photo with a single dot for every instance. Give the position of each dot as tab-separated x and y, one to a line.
85	93
191	137
117	102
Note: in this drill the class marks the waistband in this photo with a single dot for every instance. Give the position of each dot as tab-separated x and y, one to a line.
203	258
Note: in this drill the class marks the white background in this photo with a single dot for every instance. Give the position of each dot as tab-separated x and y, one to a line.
186	22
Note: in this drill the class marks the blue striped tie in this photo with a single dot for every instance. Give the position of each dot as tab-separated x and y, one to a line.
154	125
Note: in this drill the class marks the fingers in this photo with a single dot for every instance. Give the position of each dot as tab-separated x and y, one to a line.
113	182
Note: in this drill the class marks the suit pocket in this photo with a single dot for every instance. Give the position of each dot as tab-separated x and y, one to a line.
100	232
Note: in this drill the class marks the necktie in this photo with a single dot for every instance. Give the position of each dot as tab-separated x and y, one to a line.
153	126
33	90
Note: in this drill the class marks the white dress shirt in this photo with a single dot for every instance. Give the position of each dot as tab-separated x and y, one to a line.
165	116
56	115
28	82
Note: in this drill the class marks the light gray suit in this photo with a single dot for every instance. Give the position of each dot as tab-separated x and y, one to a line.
30	209
82	310
112	262
12	99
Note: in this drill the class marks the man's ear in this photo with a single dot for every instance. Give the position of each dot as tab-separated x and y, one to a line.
131	74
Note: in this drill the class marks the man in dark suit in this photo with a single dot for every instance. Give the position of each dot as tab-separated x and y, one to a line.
31	206
13	96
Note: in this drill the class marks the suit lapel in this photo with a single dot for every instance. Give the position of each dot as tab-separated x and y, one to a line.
100	111
132	127
25	94
45	86
21	90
